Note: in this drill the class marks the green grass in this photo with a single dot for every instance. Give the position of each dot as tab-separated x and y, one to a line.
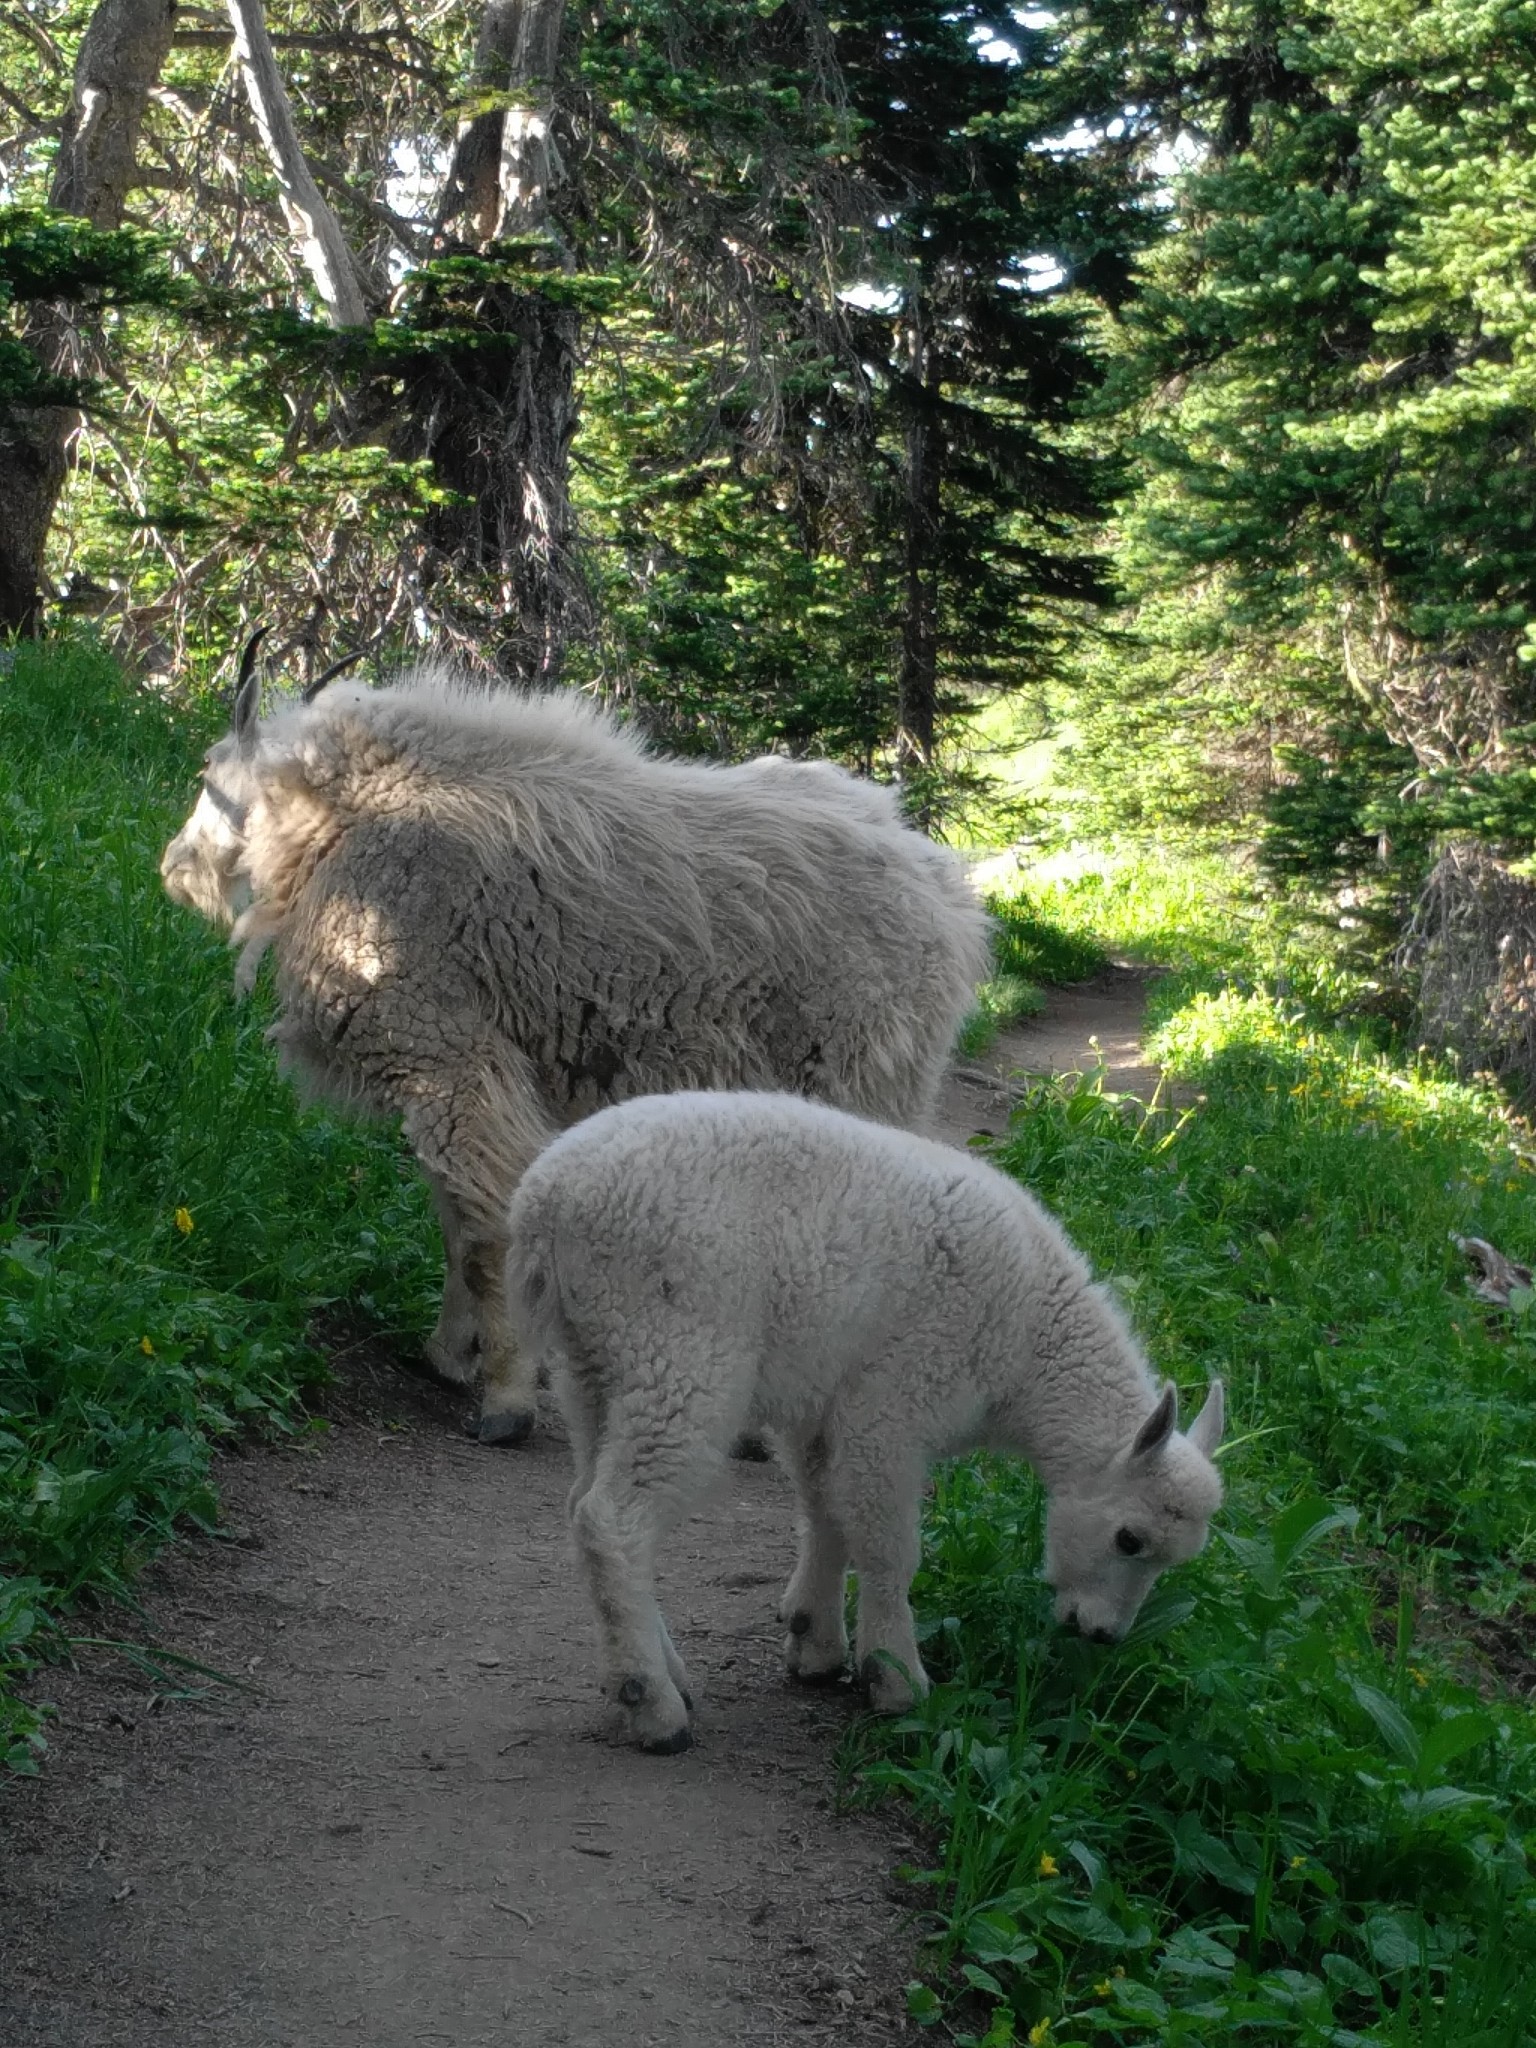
169	1218
1292	1807
1289	1810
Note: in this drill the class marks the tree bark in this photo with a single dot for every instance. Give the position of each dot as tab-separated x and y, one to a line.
497	422
121	56
917	687
331	265
505	163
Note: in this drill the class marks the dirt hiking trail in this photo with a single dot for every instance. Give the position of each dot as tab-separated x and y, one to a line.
417	1829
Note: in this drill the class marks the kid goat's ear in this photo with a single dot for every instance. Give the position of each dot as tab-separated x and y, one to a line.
1159	1425
1205	1431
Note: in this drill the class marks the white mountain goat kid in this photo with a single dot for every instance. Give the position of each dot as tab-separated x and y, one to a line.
493	913
694	1265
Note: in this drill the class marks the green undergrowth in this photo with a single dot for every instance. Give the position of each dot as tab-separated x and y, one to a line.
169	1218
1294	1807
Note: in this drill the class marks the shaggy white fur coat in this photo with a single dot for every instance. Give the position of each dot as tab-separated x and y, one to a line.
694	1265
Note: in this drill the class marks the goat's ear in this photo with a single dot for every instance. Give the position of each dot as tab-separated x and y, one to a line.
1205	1432
1159	1425
248	694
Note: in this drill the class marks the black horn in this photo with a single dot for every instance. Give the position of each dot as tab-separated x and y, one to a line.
312	690
248	692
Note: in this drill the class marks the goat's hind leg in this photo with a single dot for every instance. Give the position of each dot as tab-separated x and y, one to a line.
581	1406
816	1648
618	1522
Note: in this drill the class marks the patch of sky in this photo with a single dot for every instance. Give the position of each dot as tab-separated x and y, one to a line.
1039	274
1001	49
417	169
873	298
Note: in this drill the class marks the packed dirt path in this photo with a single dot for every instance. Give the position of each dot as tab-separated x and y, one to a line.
416	1828
1097	1022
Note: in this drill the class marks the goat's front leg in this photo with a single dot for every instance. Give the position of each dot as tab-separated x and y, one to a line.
473	1339
474	1128
877	1486
455	1347
509	1391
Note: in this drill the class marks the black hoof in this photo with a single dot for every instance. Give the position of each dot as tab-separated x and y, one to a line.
800	1623
671	1745
688	1701
514	1427
817	1680
752	1450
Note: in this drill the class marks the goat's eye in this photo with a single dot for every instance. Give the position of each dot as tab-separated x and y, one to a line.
1128	1544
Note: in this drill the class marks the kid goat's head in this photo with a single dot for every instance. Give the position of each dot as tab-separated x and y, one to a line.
1106	1544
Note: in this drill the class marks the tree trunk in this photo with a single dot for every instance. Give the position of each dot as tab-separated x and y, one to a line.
120	58
496	422
328	259
918	688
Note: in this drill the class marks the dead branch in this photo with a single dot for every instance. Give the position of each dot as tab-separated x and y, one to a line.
332	267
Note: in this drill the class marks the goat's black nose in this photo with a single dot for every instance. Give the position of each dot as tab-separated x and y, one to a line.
1101	1635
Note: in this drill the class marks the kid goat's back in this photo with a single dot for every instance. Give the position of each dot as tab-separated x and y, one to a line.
695	1265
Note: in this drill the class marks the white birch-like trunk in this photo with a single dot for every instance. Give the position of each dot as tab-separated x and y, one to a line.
327	256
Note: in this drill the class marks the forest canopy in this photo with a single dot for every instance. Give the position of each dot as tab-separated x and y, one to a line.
810	378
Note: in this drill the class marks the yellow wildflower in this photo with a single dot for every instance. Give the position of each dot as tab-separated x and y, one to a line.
1039	2032
1298	1862
1119	1969
1419	1677
1047	1866
183	1220
1102	1990
146	1347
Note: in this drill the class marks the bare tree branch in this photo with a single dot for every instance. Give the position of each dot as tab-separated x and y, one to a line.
374	44
333	268
35	34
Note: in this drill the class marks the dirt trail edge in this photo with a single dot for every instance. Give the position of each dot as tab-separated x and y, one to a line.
418	1829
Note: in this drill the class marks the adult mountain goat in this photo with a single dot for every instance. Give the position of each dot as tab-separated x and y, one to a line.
698	1264
494	913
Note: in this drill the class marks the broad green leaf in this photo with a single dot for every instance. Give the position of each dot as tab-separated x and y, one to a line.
1392	1724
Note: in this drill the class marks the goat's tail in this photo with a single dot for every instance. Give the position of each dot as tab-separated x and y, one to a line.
533	1283
544	1331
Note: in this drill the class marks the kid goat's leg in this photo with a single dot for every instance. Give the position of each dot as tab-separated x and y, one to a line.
876	1483
816	1648
638	1491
